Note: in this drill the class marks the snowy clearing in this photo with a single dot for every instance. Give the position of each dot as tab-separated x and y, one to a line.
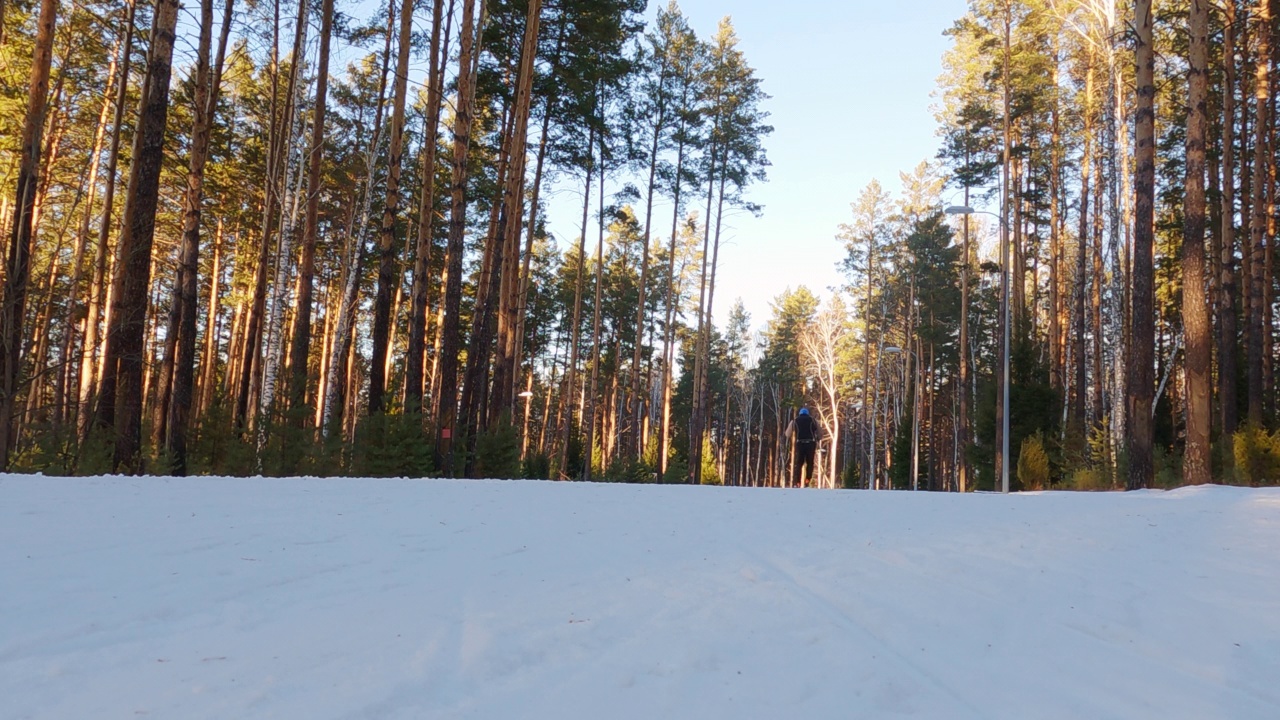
340	598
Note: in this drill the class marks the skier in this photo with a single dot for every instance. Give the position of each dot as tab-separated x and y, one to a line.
806	433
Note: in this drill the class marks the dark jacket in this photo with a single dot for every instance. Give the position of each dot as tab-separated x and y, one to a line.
805	429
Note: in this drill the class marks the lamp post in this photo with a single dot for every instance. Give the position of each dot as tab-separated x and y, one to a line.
1004	302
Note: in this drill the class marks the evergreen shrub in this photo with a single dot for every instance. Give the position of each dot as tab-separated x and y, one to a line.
1089	479
1257	455
498	452
537	466
677	471
710	471
392	445
851	479
1033	463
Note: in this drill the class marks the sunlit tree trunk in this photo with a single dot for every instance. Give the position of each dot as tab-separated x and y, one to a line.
123	380
390	211
571	372
445	399
589	421
212	329
68	409
1257	225
1195	311
185	298
669	336
250	350
291	196
416	352
506	370
1080	388
21	234
300	350
335	402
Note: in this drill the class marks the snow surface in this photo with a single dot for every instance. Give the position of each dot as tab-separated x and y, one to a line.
339	598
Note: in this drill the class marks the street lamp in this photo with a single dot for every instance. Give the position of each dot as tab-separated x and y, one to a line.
915	416
1004	301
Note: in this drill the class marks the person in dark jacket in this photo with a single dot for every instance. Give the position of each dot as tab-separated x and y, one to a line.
806	433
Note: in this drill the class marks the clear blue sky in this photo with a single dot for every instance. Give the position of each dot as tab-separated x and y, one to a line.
851	85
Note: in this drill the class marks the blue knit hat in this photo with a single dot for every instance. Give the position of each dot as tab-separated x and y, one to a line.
804	411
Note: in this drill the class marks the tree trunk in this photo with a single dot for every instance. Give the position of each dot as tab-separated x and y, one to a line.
636	448
1257	224
301	345
390	210
695	422
506	371
123	382
531	228
701	388
1006	270
340	374
571	373
471	418
212	329
1078	392
589	447
183	317
962	439
290	197
22	237
416	354
669	333
1099	277
77	264
445	400
250	351
1141	319
1195	311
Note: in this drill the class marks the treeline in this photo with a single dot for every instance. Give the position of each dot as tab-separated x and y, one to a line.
285	238
1127	153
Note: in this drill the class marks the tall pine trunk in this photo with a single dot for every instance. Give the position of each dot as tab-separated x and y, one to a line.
1141	318
250	351
123	389
390	212
506	371
1195	311
300	348
1258	220
339	373
185	298
575	339
21	235
416	355
669	333
290	197
445	397
69	395
637	397
212	330
589	446
1078	413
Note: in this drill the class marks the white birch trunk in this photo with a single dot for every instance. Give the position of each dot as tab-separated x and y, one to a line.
284	255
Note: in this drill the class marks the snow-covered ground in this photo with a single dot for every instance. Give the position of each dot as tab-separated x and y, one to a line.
305	598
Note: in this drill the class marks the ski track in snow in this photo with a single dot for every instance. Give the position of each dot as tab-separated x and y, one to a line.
341	598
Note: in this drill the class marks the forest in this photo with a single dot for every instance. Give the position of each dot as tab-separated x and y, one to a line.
244	238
